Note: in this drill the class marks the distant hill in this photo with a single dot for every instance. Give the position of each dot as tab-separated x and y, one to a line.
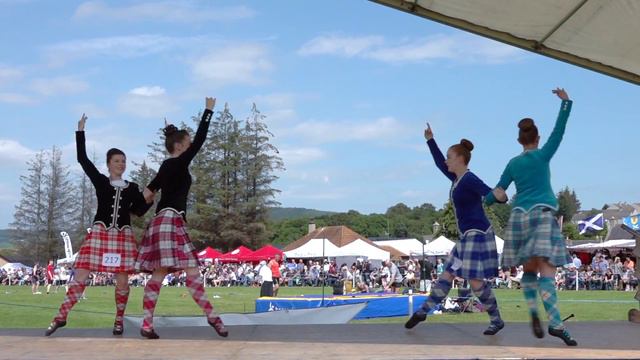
287	213
4	239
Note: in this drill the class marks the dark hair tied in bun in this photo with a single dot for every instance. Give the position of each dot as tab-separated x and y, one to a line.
528	133
463	149
170	129
467	144
173	135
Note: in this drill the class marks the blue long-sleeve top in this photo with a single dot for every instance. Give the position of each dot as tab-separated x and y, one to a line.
466	193
530	170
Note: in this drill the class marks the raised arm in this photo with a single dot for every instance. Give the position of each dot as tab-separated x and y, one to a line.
552	144
86	164
201	133
438	158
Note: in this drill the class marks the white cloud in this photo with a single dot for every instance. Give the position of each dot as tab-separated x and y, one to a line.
167	11
147	102
9	73
327	132
62	85
14	153
148	91
15	98
117	46
236	64
459	47
340	45
300	156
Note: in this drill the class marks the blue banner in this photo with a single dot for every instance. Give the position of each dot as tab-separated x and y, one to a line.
632	222
377	305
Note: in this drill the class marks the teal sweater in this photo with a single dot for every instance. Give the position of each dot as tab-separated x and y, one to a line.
530	170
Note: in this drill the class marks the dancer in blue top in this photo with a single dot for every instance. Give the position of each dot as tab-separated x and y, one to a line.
475	257
533	237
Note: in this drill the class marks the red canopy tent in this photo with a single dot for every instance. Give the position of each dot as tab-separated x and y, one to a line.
240	254
265	253
209	253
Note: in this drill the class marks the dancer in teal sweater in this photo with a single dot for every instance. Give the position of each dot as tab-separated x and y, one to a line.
533	237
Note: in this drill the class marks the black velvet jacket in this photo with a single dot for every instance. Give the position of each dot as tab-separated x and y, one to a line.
115	204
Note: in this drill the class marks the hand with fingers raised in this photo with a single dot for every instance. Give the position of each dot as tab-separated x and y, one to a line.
428	134
82	122
210	102
561	93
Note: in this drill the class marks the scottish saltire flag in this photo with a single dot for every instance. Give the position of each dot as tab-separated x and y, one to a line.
594	223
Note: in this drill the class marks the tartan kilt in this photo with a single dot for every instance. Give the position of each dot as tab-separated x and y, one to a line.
166	244
475	256
102	241
534	233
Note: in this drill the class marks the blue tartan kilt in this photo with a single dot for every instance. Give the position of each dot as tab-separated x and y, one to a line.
534	234
475	256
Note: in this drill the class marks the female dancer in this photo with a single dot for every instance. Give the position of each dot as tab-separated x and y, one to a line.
110	247
475	257
166	246
533	237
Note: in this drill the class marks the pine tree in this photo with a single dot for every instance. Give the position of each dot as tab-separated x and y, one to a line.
28	235
61	204
260	161
47	207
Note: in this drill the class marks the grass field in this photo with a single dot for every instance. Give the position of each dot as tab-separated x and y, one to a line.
20	309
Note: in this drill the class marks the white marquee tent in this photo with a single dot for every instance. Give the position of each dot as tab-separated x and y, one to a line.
443	246
406	246
14	266
313	249
362	248
439	247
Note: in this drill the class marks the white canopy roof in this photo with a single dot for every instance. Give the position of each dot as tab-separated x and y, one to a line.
611	244
313	249
14	266
443	246
438	247
362	248
594	34
406	246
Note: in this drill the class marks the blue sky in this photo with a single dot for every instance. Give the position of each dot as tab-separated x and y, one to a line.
347	87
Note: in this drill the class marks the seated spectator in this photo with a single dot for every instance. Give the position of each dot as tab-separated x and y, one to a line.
608	280
560	279
502	279
514	281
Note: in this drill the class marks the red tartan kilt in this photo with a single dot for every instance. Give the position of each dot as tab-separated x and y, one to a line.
101	241
166	244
